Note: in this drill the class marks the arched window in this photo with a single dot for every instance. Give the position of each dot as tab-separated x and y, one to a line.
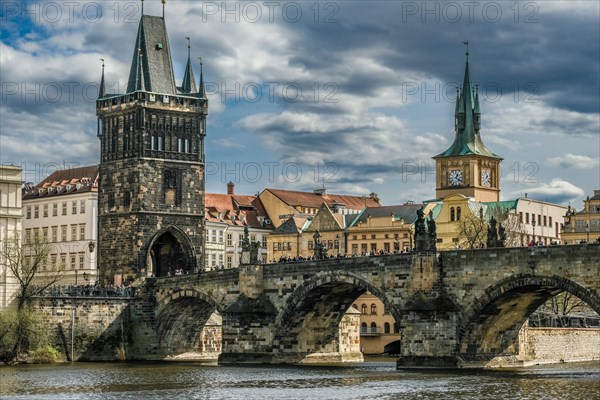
373	327
364	328
451	213
363	309
396	328
386	327
355	306
458	213
373	309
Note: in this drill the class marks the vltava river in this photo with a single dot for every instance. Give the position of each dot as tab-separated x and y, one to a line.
370	380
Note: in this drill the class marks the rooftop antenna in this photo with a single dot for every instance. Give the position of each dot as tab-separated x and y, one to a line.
467	53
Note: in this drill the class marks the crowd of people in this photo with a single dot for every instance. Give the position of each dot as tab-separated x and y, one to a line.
382	252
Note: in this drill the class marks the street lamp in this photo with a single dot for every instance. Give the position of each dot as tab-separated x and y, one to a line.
337	238
533	223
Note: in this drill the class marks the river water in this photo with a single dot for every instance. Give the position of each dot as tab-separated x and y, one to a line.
369	380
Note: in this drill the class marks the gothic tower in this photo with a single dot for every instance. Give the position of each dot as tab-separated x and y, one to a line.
151	192
468	167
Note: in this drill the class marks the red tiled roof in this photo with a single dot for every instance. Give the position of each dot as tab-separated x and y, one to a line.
314	200
226	208
65	181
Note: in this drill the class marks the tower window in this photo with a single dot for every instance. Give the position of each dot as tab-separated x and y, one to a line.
451	213
458	213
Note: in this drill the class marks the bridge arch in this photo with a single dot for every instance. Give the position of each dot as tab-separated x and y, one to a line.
168	250
309	321
181	317
491	325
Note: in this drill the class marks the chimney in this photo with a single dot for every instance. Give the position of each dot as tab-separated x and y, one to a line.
230	186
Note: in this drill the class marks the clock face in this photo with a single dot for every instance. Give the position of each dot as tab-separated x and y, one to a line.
486	179
456	177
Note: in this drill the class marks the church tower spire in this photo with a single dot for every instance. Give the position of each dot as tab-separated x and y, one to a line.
468	167
188	84
201	89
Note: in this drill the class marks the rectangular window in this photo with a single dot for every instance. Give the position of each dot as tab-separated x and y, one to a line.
354	237
220	259
311	245
363	247
153	143
526	218
229	261
253	237
27	236
373	236
213	260
73	261
264	242
220	236
81	260
63	260
64	208
521	216
36	234
82	206
73	232
187	146
550	222
161	143
289	245
45	211
81	231
374	247
213	235
229	239
545	220
36	212
355	248
55	233
74	208
63	233
28	212
45	233
386	247
274	246
54	209
53	261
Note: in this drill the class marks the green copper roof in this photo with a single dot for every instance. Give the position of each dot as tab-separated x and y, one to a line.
467	123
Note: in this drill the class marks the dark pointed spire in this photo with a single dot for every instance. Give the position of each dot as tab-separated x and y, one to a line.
188	84
467	116
156	65
201	89
101	91
163	3
139	73
142	7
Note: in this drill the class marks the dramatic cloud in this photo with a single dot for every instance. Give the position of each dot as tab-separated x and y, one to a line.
575	161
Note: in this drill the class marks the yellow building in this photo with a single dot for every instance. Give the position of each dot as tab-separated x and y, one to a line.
385	229
379	332
583	226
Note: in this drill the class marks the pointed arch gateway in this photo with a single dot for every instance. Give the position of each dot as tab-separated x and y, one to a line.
169	251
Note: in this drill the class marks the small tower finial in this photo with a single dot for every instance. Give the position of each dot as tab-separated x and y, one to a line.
467	53
163	3
101	91
201	89
189	45
142	7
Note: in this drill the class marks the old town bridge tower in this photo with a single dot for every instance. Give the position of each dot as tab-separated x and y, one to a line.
151	192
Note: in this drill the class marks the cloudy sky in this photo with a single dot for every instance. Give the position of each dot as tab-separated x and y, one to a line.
353	95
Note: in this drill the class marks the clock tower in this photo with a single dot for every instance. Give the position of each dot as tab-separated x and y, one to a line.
468	167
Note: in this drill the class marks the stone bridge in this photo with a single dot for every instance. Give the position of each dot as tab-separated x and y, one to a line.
454	308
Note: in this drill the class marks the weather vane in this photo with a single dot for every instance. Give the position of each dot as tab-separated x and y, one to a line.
467	44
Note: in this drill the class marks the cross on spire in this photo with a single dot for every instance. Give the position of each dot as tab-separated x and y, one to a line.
467	53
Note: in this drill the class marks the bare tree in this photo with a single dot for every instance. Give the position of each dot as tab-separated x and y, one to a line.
510	221
472	230
27	265
560	308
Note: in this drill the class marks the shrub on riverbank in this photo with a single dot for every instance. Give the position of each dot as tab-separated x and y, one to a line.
22	334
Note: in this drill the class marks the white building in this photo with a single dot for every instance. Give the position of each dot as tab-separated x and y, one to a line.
62	210
227	215
542	221
10	225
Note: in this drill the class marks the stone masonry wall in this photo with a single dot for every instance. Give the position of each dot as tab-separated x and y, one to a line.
553	345
101	329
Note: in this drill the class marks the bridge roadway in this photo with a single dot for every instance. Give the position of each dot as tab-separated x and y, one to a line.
454	308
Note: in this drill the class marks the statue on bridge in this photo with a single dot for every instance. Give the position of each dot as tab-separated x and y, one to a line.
495	237
250	249
320	247
425	232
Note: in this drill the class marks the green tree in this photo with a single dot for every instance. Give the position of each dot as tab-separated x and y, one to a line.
472	231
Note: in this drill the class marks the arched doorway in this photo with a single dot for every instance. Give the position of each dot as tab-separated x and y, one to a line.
169	254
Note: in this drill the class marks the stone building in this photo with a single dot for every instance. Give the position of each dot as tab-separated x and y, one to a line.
583	226
10	225
227	216
62	210
151	194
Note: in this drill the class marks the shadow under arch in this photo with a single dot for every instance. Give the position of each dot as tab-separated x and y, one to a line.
491	325
180	319
311	316
169	249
